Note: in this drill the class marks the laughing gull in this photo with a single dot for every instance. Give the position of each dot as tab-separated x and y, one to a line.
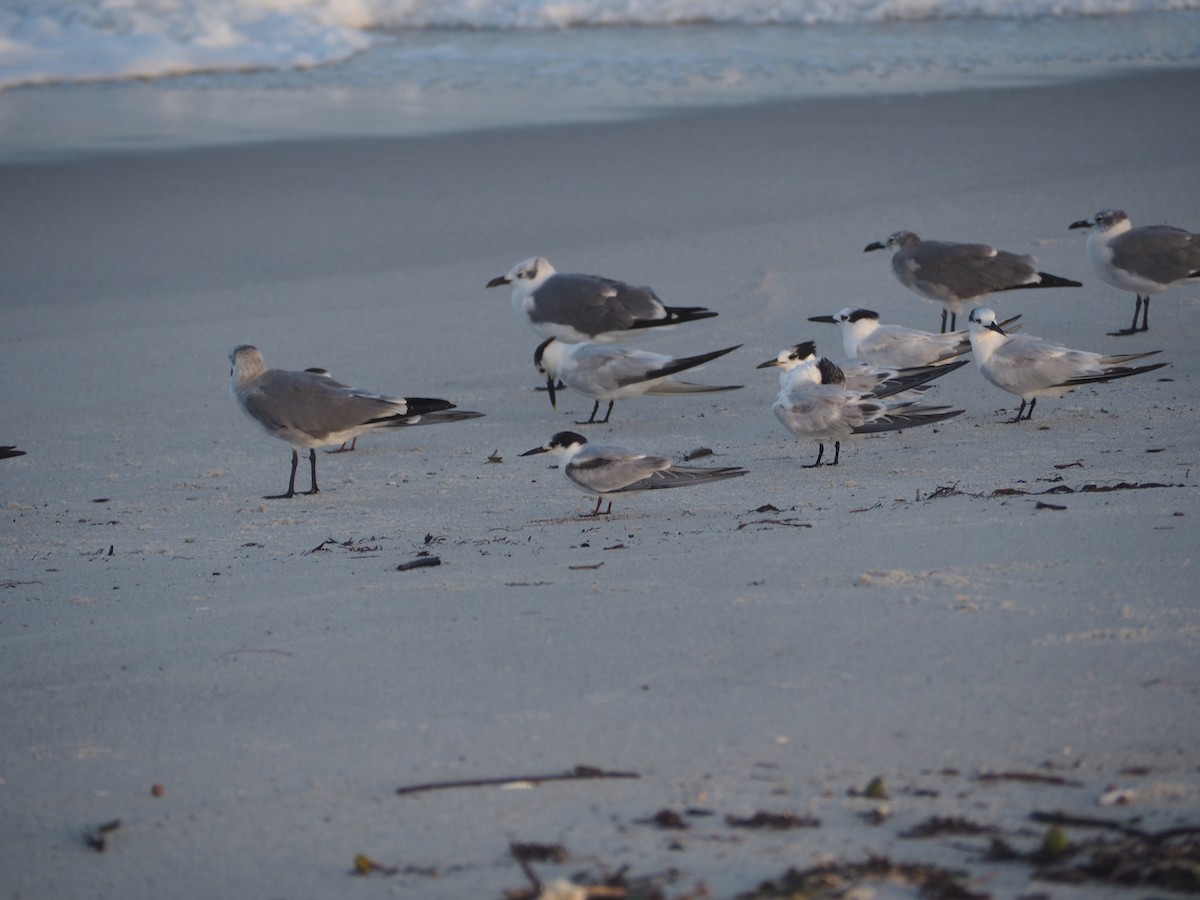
954	274
882	381
814	403
1031	367
576	308
1146	260
9	451
605	472
310	410
317	370
617	373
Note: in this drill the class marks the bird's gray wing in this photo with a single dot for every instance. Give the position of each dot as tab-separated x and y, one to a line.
1159	252
970	270
593	305
314	406
612	469
822	412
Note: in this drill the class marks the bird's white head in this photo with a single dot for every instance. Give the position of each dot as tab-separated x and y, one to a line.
529	273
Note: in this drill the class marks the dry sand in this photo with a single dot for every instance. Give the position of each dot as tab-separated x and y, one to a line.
265	663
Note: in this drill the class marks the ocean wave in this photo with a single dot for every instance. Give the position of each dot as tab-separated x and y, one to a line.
54	41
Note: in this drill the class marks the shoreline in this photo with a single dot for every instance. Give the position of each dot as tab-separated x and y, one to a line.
926	612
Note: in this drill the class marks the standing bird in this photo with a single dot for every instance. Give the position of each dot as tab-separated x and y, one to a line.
617	373
864	337
576	308
1031	367
953	274
310	410
882	381
1147	260
814	403
605	472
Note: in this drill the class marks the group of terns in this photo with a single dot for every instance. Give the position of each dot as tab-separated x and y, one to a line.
877	387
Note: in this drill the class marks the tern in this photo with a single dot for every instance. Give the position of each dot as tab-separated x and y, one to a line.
814	403
864	337
617	373
310	410
882	381
953	274
606	471
577	308
1031	367
1147	260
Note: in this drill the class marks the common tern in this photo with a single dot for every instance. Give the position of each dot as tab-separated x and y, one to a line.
618	373
310	410
1031	367
954	274
1146	260
607	471
576	308
814	403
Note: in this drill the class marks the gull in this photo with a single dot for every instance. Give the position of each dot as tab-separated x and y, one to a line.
317	370
605	471
815	403
310	410
1031	367
1146	260
864	337
577	308
882	381
617	373
8	452
954	274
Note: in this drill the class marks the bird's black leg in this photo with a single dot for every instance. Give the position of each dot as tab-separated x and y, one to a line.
607	412
820	453
592	417
1138	308
953	321
1019	412
945	312
291	491
312	464
837	452
1032	404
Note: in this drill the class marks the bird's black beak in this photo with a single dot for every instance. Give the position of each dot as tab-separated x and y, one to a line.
874	245
550	391
830	319
496	282
534	451
1082	223
767	364
995	326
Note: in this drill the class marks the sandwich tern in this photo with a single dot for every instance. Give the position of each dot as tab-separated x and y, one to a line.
577	308
606	471
1146	260
310	410
1031	367
618	373
864	337
814	403
954	274
882	381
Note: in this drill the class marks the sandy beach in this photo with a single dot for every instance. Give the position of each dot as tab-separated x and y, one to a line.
952	609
